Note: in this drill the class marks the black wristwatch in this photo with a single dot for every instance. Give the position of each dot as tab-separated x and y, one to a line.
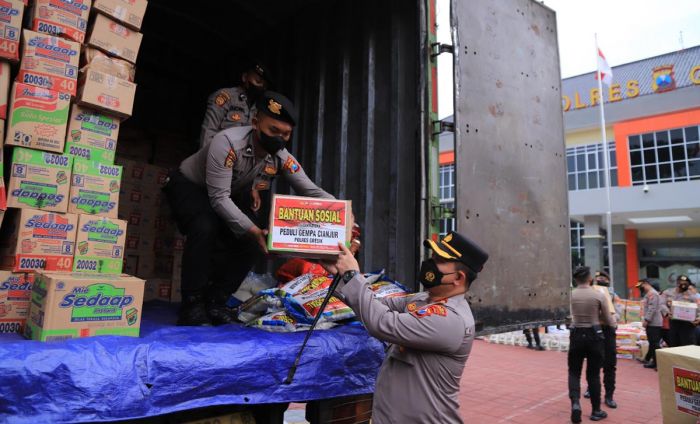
349	275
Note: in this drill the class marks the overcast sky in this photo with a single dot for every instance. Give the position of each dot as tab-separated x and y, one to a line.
627	30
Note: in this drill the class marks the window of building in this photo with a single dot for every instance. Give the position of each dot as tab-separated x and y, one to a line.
447	196
586	166
577	248
665	156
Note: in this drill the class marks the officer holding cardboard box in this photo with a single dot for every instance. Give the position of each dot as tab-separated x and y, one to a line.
210	198
235	106
682	331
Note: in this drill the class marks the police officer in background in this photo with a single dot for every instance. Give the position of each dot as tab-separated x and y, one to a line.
210	198
681	333
235	106
601	283
651	305
431	333
588	308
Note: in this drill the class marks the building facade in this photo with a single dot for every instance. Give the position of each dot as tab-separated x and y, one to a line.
652	112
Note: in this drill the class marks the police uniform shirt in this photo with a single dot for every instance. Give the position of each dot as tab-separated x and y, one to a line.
651	305
431	341
675	295
226	108
605	291
589	307
228	166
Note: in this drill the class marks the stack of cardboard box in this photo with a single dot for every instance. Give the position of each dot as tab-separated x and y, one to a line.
63	233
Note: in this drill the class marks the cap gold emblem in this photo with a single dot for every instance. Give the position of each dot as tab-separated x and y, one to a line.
274	107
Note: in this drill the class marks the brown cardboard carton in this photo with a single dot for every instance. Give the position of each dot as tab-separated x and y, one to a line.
679	383
157	289
308	227
66	306
49	62
38	118
11	12
99	245
92	135
107	93
4	92
114	38
95	59
95	188
15	289
64	18
37	240
128	12
39	180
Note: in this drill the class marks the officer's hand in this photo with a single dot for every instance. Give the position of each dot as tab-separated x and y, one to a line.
696	322
345	262
255	197
259	237
644	324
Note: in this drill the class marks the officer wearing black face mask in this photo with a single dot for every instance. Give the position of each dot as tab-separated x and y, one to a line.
681	332
235	106
210	198
431	333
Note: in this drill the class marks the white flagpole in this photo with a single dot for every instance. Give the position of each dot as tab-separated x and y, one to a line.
606	160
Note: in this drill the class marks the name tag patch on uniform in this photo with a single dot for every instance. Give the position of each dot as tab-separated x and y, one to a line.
431	310
291	165
270	170
230	159
222	98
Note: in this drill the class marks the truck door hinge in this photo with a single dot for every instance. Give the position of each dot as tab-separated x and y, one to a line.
440	127
436	49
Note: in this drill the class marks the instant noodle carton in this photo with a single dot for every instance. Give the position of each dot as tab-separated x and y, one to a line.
37	240
114	38
128	12
65	18
15	289
67	306
49	62
309	227
39	180
38	118
679	384
106	92
4	92
11	12
99	245
92	135
95	188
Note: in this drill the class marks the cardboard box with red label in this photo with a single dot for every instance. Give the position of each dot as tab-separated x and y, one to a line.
49	62
679	384
114	38
64	18
15	290
38	118
38	240
107	93
4	91
128	12
308	227
11	13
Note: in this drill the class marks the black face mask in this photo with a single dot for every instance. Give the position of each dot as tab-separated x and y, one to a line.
430	276
642	291
271	144
602	283
684	287
253	92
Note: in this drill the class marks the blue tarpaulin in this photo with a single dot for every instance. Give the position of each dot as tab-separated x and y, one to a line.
171	368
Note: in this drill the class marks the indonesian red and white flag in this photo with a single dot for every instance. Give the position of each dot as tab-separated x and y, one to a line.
604	69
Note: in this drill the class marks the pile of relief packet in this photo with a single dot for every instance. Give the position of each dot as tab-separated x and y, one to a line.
293	305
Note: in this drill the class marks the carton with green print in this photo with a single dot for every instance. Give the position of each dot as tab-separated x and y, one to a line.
74	305
95	188
99	247
92	135
39	180
38	118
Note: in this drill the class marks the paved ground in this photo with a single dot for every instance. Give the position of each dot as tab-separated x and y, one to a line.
508	384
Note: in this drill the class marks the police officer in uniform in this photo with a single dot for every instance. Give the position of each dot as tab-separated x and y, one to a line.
235	106
210	198
681	333
588	308
431	333
651	305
